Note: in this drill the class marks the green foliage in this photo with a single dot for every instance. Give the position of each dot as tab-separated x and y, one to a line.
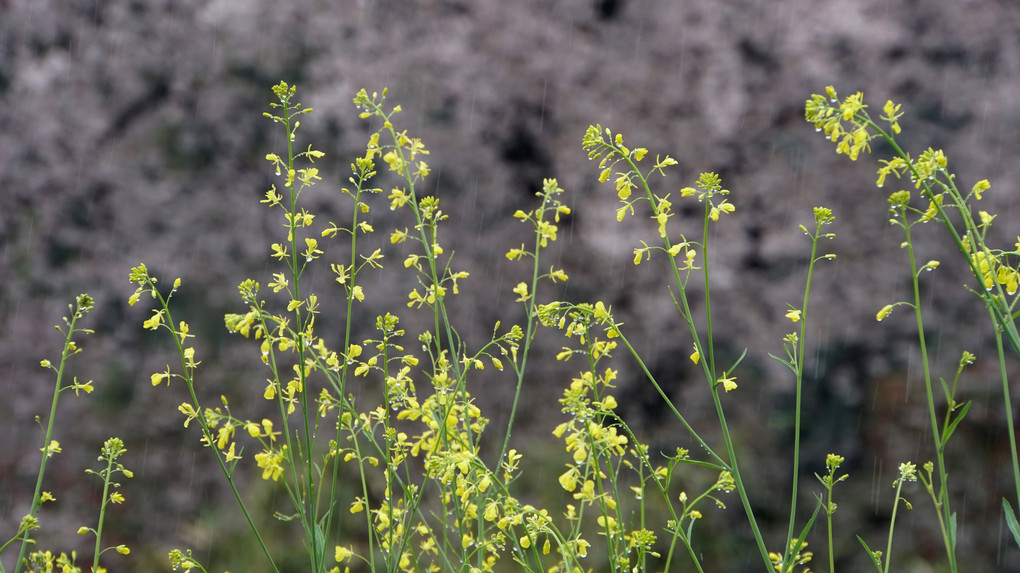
395	412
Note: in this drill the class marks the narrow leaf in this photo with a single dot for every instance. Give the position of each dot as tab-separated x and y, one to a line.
1011	521
956	421
945	389
784	362
800	540
875	560
952	531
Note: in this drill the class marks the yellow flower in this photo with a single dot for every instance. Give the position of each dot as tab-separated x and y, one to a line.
580	454
980	187
568	480
189	357
232	454
358	506
581	547
793	315
522	291
884	312
271	463
52	448
154	321
892	114
986	265
723	207
933	209
728	382
491	511
1009	277
342	554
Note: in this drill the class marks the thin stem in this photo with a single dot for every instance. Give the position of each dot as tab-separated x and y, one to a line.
799	388
942	505
207	433
828	529
529	335
68	351
892	525
341	387
708	362
1002	318
710	367
102	512
1008	402
308	517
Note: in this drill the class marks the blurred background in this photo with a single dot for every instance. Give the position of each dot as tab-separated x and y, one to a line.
132	131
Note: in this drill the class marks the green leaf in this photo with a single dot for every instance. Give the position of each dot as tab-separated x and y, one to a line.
874	559
1011	521
715	467
956	421
784	362
739	360
803	535
320	544
945	389
952	531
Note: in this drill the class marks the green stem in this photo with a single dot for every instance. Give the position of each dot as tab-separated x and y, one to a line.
102	513
799	389
207	432
943	494
892	525
1004	319
1008	402
710	370
341	385
529	336
708	359
306	487
828	532
67	352
441	320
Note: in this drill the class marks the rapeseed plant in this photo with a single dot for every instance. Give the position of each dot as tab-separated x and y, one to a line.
395	411
848	123
113	448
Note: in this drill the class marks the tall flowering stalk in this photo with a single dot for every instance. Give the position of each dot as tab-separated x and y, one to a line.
848	123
